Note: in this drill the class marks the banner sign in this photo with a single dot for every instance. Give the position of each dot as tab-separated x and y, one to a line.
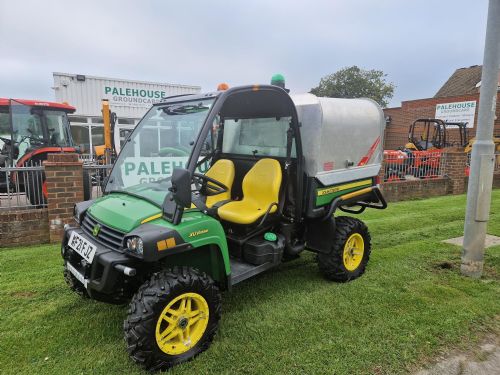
457	112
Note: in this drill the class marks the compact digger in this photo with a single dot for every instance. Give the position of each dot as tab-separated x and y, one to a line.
106	153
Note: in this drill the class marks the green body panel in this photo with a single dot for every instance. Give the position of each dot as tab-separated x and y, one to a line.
125	213
200	230
335	191
122	212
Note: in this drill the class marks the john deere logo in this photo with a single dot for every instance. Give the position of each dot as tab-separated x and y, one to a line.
95	230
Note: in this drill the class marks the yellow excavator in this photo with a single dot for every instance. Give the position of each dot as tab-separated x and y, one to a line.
106	153
496	141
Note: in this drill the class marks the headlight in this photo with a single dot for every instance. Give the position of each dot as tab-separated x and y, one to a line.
135	245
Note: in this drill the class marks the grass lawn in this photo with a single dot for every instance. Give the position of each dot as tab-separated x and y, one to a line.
398	315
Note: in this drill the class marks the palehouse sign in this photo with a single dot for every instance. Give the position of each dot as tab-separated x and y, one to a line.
133	97
142	170
457	112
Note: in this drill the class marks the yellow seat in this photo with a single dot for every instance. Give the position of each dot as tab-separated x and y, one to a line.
261	186
222	171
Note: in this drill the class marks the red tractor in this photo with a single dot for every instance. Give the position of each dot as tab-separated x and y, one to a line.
421	156
29	131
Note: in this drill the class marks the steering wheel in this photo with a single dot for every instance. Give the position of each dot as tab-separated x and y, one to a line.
202	181
172	151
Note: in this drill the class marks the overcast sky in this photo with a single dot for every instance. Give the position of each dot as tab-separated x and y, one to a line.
418	44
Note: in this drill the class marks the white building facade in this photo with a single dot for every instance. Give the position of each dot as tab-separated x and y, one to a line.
129	99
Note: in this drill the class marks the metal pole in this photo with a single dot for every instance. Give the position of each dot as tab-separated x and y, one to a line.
482	161
91	152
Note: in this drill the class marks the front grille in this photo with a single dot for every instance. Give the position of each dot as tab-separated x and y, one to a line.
107	236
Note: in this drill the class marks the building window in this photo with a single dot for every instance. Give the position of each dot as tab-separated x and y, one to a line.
126	121
78	119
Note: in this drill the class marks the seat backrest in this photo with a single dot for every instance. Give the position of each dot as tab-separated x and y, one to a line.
222	171
262	183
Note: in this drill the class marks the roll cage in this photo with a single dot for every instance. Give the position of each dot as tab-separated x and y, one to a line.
244	102
436	140
434	134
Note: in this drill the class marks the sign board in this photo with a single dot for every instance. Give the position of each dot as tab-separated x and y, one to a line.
128	98
457	112
123	95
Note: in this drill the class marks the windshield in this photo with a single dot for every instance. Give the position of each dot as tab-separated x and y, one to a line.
161	142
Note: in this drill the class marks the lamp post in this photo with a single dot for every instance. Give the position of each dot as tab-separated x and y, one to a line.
482	158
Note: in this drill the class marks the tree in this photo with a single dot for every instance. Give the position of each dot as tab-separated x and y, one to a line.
353	82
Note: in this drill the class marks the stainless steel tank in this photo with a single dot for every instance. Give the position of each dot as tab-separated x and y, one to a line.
342	139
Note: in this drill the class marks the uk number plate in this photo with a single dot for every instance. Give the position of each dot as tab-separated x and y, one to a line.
83	247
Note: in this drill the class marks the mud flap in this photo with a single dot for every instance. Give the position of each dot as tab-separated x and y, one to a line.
320	235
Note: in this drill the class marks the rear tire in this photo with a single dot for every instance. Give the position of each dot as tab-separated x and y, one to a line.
161	330
350	251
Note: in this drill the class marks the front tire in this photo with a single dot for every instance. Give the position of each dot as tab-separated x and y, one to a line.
350	251
172	318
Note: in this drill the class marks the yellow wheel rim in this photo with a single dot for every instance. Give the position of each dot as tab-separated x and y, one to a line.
354	249
182	323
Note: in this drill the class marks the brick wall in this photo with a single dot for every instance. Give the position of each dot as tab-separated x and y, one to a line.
452	182
396	133
24	227
413	189
496	181
64	177
454	162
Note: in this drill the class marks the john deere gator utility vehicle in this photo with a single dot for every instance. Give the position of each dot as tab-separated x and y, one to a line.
210	190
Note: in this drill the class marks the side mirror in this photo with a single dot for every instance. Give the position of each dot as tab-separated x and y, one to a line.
181	187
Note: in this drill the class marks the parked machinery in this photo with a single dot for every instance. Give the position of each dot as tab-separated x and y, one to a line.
29	131
421	155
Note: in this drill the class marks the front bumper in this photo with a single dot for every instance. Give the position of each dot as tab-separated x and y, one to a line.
106	277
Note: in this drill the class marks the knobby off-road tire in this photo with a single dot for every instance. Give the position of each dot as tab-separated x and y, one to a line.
74	284
151	303
341	264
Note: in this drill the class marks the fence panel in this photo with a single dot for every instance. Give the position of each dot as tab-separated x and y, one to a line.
22	187
94	179
400	165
